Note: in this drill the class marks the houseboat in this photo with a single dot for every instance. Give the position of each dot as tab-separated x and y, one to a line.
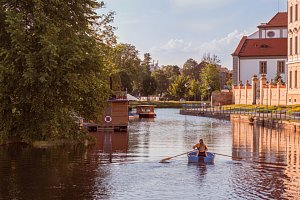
145	111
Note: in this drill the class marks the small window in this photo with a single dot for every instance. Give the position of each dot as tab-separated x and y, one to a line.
290	100
263	67
291	78
296	12
291	14
281	67
296	84
296	45
295	100
291	46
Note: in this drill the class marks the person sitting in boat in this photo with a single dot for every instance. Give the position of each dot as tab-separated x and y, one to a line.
201	147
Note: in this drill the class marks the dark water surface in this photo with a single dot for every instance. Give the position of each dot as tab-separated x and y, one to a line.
264	164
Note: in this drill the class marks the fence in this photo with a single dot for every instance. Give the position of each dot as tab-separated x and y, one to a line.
200	109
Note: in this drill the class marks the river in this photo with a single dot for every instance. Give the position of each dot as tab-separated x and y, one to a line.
261	163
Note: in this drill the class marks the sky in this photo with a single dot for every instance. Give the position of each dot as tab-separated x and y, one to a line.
173	31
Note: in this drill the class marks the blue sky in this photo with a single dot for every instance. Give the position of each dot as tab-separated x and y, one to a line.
173	31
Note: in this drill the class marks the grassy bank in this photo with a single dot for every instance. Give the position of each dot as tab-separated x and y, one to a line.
288	109
163	104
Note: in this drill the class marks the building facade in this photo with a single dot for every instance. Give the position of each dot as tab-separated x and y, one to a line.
263	52
293	53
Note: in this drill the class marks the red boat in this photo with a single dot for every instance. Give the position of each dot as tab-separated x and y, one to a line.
145	111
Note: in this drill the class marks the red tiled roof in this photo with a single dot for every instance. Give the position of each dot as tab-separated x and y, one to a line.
239	47
279	20
262	47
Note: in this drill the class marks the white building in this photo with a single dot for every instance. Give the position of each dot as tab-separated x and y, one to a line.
263	52
293	52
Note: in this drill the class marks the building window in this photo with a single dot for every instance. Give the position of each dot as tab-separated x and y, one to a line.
280	67
291	14
296	45
290	100
296	85
296	12
263	67
271	34
291	77
291	46
295	100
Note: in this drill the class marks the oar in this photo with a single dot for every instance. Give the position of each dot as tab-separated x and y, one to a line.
169	158
231	156
224	155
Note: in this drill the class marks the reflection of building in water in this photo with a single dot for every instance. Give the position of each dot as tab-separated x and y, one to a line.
274	149
111	141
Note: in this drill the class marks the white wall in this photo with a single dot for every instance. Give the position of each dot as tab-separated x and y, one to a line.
254	35
249	67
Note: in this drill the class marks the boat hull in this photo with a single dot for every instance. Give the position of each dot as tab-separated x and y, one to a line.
147	115
193	158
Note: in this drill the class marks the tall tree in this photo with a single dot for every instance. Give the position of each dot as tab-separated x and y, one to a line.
194	89
210	80
190	69
52	65
179	88
162	81
212	59
149	86
126	64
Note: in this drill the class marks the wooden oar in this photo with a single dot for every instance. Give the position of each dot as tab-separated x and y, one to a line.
169	158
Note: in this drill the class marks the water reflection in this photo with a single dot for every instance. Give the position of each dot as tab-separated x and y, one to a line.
275	154
53	173
265	163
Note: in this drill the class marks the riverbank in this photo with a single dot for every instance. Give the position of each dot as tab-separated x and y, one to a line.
165	104
276	118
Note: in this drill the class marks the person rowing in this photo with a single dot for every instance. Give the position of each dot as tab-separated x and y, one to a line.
202	148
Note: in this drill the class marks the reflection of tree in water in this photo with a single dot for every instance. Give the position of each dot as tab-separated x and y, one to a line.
54	173
273	160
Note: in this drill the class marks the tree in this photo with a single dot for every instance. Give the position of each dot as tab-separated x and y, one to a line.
190	69
211	59
194	89
210	80
126	64
162	81
149	86
52	66
180	87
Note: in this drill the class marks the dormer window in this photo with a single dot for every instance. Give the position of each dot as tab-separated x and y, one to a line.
263	46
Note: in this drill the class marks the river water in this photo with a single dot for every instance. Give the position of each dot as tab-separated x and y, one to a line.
260	164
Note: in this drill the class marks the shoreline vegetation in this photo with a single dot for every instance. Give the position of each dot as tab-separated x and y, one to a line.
86	139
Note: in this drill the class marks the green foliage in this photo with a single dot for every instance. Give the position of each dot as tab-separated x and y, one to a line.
126	67
191	69
52	64
164	77
179	88
210	80
194	89
149	86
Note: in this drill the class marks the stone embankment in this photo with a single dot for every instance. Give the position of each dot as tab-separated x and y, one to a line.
271	120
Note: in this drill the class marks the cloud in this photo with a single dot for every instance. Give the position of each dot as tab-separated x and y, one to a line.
222	47
200	3
173	45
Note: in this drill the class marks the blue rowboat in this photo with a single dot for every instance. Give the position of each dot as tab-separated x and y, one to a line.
193	158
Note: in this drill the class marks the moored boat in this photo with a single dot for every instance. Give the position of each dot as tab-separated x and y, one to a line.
193	158
145	111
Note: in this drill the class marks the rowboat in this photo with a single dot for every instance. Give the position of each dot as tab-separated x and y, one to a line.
193	158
